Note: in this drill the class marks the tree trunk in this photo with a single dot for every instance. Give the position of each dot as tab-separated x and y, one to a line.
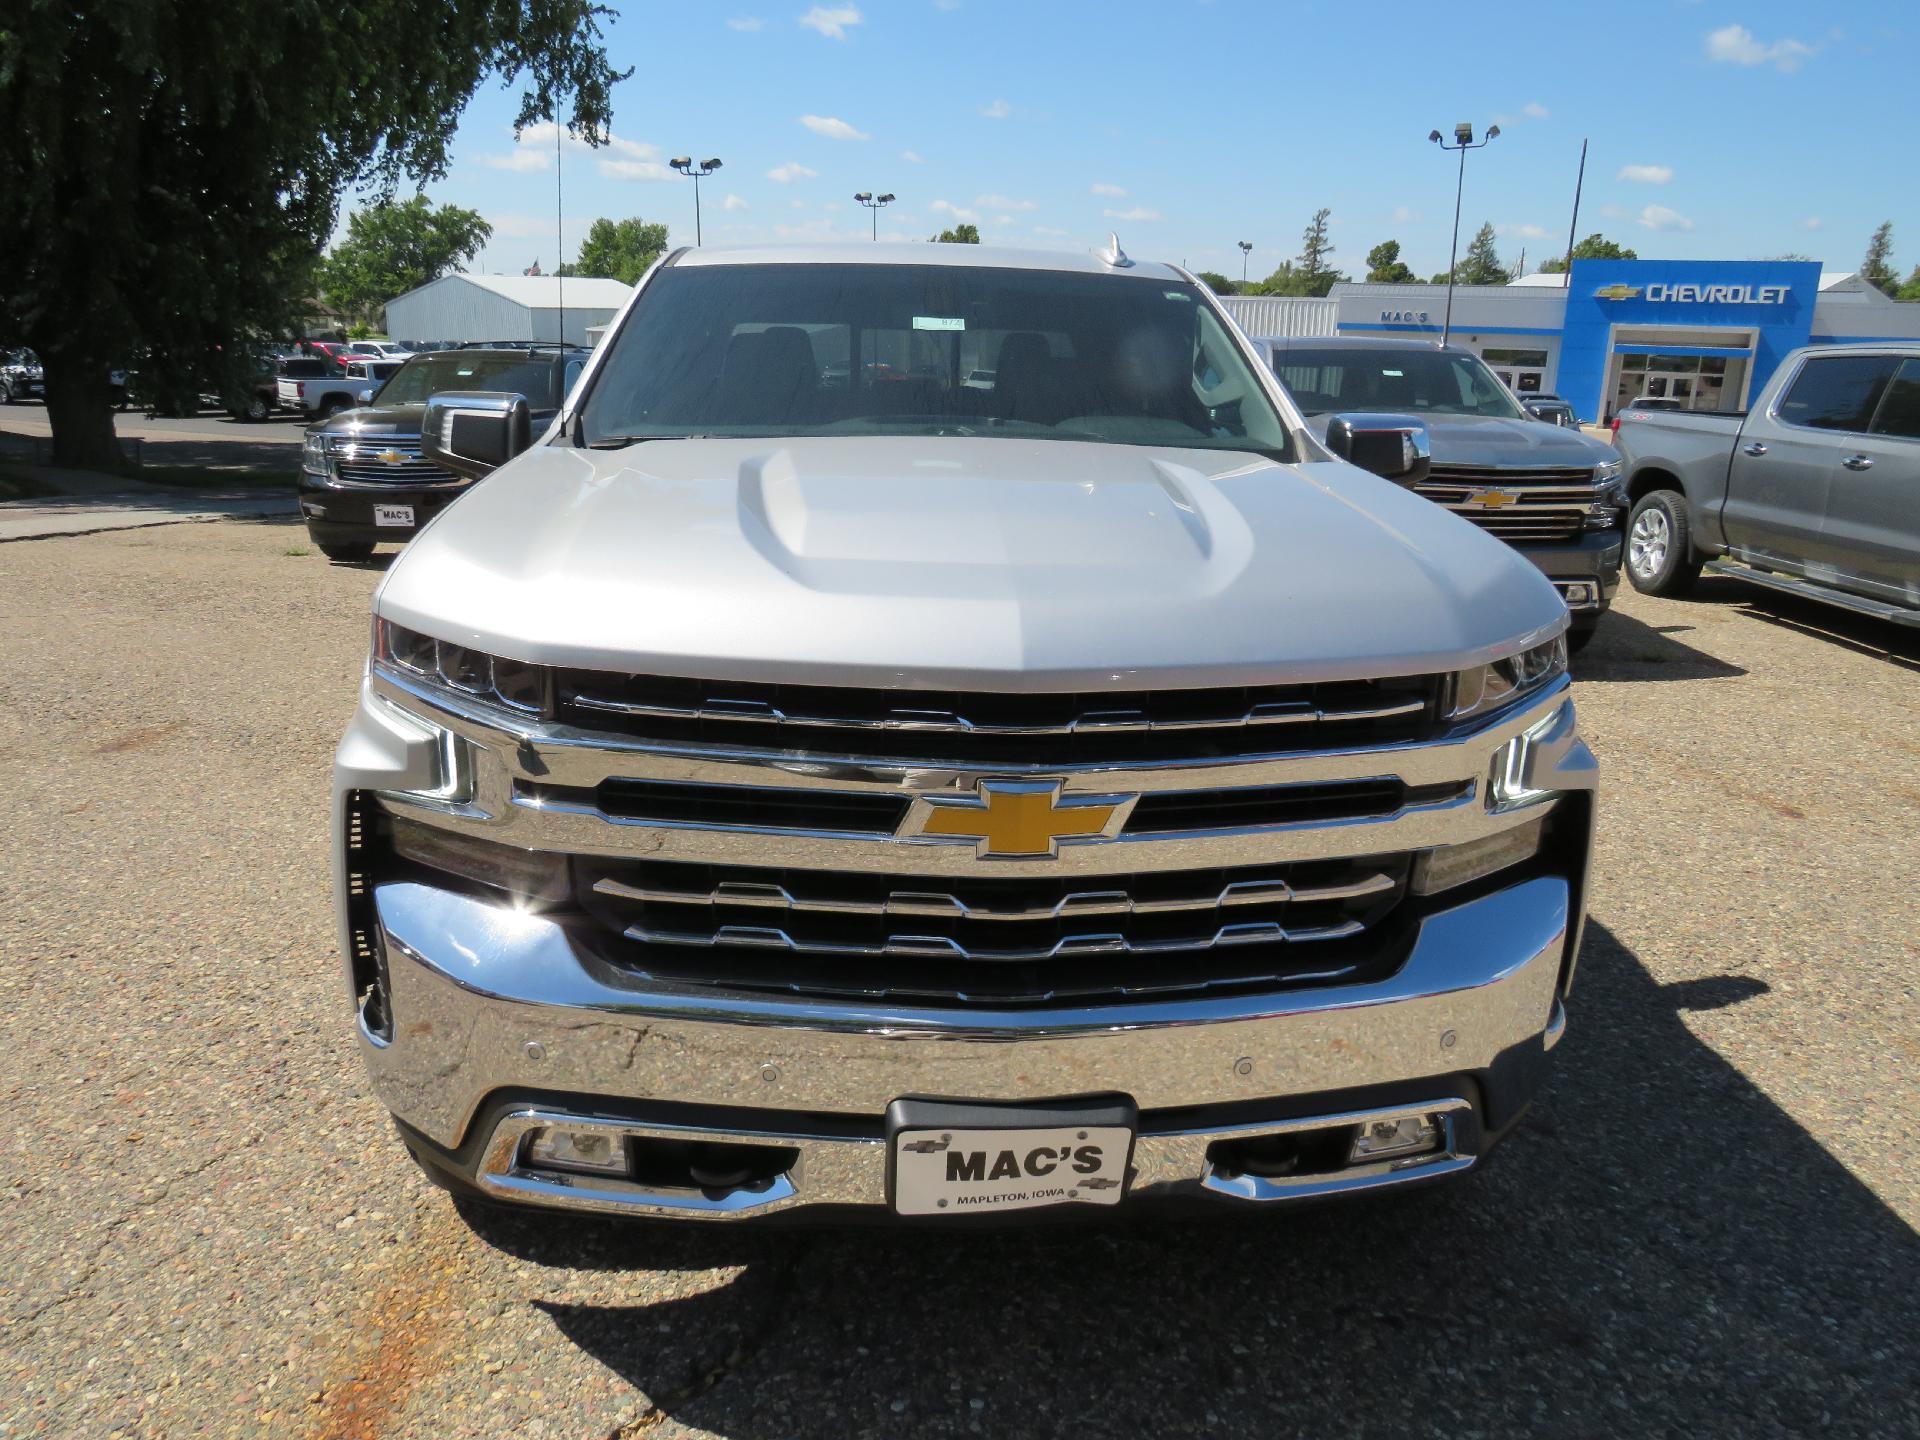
80	409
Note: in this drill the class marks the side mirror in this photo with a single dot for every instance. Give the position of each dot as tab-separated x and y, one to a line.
475	432
1394	446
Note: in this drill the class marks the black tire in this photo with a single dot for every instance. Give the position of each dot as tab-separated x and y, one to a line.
332	406
1661	559
6	393
346	551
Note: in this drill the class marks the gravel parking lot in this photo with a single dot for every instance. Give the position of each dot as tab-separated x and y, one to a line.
1707	1227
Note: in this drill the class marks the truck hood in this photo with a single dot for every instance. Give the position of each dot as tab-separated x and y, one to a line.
962	563
1492	441
372	420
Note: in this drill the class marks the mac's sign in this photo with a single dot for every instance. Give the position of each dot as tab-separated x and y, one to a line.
1403	317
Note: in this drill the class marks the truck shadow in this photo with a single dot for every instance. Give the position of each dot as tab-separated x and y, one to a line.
1660	1248
1625	648
1863	634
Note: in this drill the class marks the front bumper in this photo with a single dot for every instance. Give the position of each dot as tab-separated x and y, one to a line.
1592	561
337	512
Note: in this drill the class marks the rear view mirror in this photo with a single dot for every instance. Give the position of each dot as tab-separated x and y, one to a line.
475	432
1394	446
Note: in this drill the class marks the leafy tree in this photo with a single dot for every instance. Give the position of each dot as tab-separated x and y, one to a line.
1910	290
959	235
1481	264
396	247
1218	283
1316	275
1877	268
171	168
1385	267
620	250
1595	247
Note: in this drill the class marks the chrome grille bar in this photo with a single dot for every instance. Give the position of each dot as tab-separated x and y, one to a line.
936	904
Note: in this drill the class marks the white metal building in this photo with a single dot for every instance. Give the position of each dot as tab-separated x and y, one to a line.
1272	316
461	307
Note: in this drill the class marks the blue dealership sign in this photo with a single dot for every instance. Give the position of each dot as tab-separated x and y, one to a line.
1772	299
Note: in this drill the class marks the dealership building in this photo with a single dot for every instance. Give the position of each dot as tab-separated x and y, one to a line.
1707	333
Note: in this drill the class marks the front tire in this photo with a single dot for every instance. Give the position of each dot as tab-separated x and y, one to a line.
344	551
6	393
1660	556
332	407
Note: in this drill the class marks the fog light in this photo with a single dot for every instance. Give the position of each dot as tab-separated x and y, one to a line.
1578	592
594	1152
1388	1139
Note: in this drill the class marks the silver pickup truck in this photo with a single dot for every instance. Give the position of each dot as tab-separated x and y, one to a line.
1815	491
797	779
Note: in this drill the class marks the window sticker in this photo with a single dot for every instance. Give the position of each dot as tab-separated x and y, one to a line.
939	322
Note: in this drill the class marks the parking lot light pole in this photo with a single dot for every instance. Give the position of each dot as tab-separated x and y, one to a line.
873	202
1246	249
1463	142
684	164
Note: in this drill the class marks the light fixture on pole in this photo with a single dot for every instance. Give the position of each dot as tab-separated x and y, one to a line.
1463	141
684	164
1246	249
873	202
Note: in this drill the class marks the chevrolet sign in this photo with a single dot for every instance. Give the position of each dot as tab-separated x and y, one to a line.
1698	294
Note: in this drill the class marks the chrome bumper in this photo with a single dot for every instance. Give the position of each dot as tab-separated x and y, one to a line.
487	1001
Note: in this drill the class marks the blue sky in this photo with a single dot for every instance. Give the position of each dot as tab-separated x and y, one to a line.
1717	131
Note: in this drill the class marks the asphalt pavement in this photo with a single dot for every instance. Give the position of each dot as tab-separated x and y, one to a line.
1707	1227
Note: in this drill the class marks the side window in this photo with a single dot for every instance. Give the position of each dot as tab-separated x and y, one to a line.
1837	392
1900	409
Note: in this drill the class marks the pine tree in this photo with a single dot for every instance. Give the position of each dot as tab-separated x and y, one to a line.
1877	269
1314	274
1481	264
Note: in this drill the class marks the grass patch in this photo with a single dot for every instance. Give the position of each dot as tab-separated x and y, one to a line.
19	485
202	477
296	551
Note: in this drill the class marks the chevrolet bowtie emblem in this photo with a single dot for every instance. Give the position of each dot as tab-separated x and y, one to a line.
393	457
1492	499
1617	292
1006	819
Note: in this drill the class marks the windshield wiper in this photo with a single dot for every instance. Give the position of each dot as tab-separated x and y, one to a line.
620	442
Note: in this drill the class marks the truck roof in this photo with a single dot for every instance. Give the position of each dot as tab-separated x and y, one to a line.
986	257
1351	342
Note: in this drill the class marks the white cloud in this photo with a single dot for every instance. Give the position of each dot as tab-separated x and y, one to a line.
831	23
520	160
635	170
832	127
911	157
1534	110
1138	212
791	171
1403	216
1659	217
1812	222
734	202
1646	174
947	207
1525	232
1116	192
1003	220
998	110
539	135
946	4
1002	202
1737	45
1612	212
1050	232
746	22
798	204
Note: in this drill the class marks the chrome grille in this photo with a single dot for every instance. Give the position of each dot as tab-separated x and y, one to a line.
1009	941
1551	503
928	726
359	459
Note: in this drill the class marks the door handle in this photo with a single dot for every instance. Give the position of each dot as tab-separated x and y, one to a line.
1858	462
1756	448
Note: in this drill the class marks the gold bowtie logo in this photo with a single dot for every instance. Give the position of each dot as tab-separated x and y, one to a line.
1494	499
1617	292
392	457
1016	818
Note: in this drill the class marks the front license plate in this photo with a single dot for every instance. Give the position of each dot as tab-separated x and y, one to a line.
962	1172
393	515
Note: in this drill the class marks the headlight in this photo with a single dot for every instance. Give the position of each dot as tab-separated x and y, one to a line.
1488	688
440	664
1610	499
313	455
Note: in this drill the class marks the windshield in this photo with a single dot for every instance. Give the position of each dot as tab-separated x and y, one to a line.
794	350
1417	382
425	376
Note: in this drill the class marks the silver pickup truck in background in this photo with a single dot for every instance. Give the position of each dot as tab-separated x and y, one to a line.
798	779
1814	492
